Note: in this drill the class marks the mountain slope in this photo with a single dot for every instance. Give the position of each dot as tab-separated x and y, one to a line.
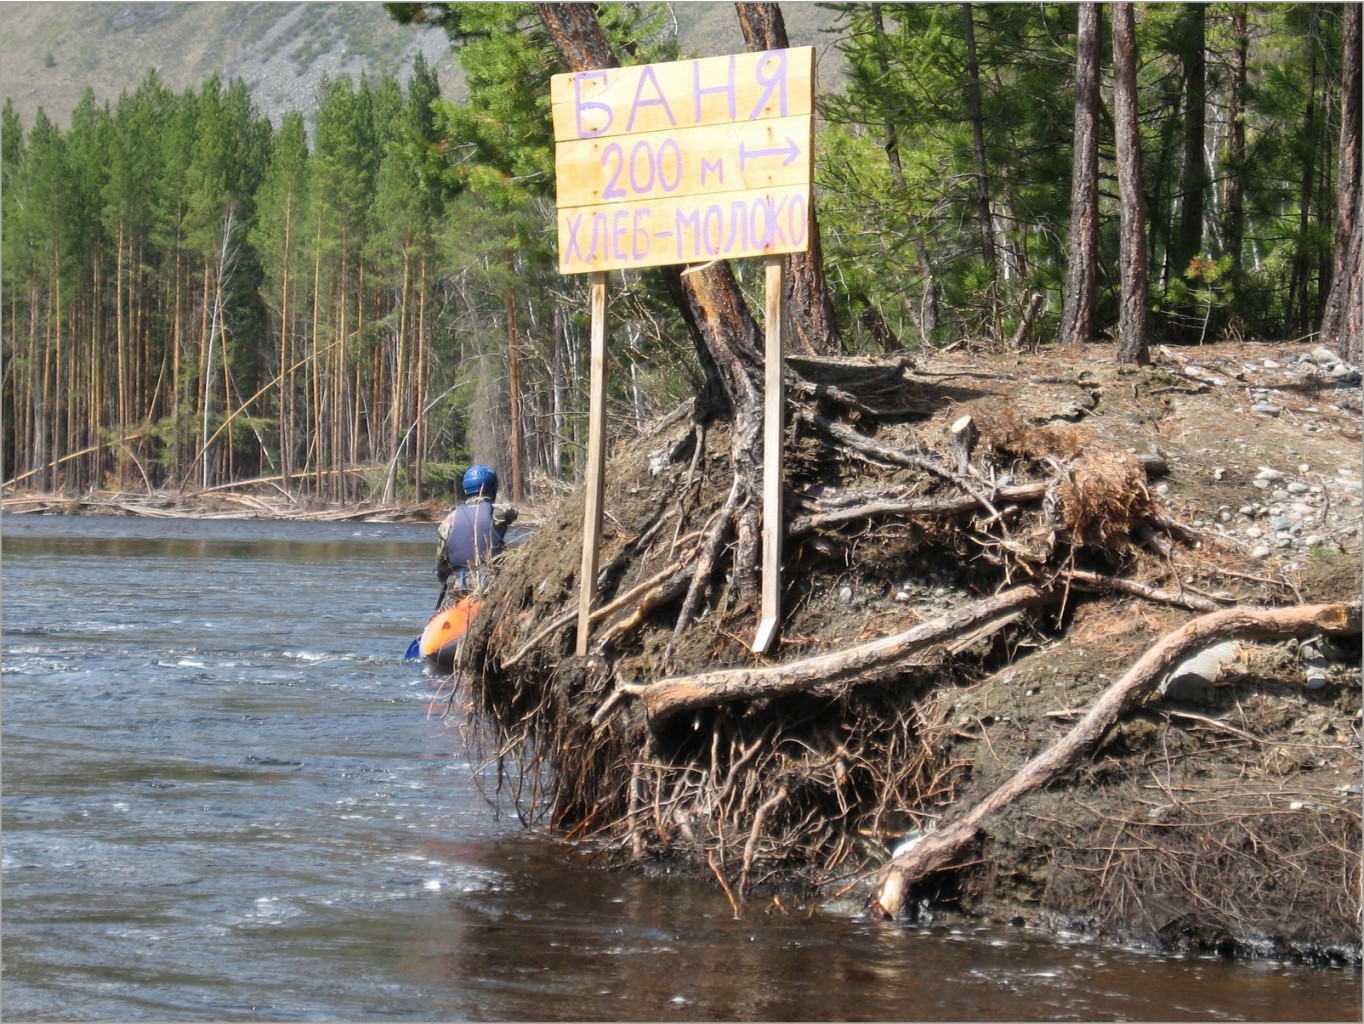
50	52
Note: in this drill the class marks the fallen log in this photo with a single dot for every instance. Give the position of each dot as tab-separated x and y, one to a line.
866	662
936	852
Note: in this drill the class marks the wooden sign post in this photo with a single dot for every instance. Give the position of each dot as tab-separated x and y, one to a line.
774	409
595	486
685	162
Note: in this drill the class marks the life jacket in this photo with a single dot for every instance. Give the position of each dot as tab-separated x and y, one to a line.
473	539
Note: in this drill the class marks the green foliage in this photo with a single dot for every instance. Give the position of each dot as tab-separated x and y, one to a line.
883	204
171	259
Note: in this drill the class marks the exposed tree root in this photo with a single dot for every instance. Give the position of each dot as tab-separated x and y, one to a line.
673	741
864	664
937	851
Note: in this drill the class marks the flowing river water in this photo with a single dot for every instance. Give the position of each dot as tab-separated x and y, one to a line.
226	797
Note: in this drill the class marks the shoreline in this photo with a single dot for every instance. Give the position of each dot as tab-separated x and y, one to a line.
222	505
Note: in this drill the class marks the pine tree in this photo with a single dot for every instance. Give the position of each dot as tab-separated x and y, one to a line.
1132	338
1077	319
279	236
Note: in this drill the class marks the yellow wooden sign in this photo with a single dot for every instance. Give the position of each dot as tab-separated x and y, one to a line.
683	94
694	229
684	162
654	165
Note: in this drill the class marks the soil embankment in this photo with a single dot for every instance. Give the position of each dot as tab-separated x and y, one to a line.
955	601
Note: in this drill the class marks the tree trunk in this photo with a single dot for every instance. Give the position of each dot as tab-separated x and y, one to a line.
927	316
987	227
1194	175
399	407
514	383
1132	344
285	412
1233	203
810	312
1298	319
419	377
1077	319
1341	324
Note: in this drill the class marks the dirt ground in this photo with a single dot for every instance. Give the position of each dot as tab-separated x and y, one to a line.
1261	774
1222	815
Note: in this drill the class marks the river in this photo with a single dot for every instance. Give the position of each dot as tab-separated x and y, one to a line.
226	797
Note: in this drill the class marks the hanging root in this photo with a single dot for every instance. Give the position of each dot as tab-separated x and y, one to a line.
719	532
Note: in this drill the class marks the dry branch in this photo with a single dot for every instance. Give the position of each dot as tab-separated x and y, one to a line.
875	451
645	597
1084	579
890	506
867	662
937	852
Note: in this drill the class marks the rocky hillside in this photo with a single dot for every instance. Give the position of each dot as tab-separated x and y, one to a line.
50	53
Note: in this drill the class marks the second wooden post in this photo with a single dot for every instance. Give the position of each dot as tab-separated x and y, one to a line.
774	409
595	488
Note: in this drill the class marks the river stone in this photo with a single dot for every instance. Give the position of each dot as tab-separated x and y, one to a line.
1322	650
1194	679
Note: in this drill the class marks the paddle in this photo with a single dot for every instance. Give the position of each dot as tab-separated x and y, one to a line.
414	650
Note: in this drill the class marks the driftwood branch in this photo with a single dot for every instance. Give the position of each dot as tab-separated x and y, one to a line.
866	662
709	554
638	595
1181	598
891	506
938	851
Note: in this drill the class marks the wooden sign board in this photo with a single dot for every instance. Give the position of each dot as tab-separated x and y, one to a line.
684	162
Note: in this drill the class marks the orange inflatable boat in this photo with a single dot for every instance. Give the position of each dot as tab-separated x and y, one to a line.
440	640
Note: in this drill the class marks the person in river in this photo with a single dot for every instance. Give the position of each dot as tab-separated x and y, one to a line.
471	536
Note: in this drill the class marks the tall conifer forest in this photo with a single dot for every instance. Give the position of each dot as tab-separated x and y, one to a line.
352	303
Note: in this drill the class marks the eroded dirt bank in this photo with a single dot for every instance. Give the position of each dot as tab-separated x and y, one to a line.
954	601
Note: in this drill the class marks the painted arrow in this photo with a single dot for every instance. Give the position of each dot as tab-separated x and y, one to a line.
791	150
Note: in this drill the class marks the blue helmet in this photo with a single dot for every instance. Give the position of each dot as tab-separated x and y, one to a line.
480	482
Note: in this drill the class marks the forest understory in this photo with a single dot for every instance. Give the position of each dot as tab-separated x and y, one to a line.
981	700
